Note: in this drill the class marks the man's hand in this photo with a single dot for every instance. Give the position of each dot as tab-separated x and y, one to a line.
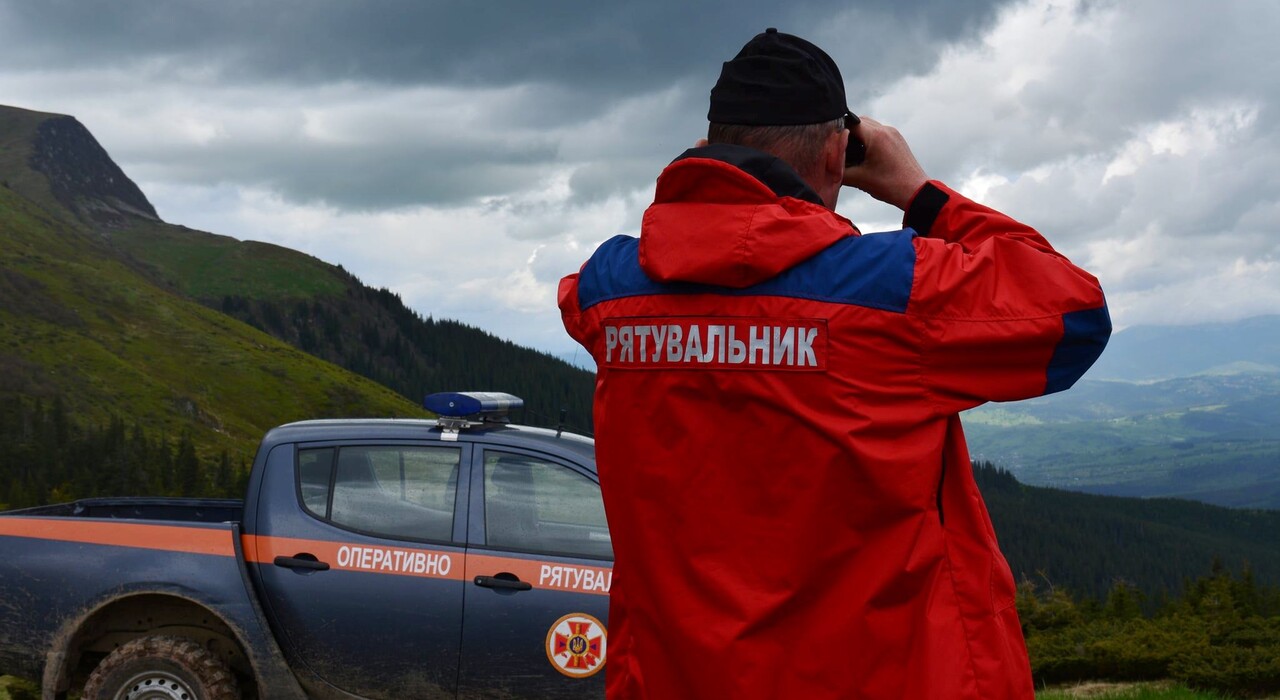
890	173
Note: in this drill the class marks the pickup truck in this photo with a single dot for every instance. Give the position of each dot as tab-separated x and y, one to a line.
461	557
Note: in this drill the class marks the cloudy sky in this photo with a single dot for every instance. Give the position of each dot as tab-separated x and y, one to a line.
468	154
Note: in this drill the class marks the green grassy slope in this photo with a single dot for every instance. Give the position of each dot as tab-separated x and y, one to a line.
76	322
325	311
208	266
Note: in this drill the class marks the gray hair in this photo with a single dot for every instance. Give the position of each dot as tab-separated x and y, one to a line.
799	145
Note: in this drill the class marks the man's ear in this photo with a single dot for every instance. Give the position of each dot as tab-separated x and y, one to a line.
700	143
833	154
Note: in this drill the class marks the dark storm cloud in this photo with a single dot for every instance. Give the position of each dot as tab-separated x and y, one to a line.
569	70
600	46
391	166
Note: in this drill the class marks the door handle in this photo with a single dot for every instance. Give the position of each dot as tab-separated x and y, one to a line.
503	581
302	561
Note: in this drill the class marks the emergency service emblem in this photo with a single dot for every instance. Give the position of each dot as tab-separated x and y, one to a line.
576	645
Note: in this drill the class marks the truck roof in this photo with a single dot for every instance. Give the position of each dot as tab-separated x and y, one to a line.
424	429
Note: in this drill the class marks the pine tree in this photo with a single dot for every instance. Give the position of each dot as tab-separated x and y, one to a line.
1124	602
223	478
188	467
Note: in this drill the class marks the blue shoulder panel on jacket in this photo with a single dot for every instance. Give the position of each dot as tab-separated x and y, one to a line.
1084	335
875	271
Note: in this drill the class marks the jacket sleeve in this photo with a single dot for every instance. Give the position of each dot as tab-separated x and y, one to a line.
570	312
1002	315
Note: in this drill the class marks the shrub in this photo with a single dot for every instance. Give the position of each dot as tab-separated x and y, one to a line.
1232	669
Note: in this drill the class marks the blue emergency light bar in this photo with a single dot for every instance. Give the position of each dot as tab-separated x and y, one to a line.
464	404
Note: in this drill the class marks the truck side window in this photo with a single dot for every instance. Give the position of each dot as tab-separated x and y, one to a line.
534	505
403	492
315	470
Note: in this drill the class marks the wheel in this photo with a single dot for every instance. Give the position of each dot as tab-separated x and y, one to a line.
161	668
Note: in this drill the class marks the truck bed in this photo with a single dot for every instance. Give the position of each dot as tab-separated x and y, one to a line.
61	564
188	510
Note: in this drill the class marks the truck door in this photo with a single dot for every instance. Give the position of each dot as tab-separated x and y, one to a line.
538	569
360	559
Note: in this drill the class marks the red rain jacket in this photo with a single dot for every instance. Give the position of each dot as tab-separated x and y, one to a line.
787	485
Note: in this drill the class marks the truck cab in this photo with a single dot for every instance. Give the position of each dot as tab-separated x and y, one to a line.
477	550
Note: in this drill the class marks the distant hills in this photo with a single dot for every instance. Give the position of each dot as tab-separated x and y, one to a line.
1148	353
1188	412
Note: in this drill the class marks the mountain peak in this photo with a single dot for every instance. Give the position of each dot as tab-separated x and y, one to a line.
69	165
82	177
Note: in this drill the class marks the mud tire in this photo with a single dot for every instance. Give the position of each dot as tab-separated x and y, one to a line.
161	668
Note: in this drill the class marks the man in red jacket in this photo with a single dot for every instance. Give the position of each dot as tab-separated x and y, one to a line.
786	480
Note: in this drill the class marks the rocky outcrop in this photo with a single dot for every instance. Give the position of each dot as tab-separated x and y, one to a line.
82	177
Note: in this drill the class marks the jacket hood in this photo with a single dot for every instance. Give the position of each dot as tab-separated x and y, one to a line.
732	216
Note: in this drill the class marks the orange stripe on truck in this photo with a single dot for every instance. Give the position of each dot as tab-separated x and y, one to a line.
193	540
342	556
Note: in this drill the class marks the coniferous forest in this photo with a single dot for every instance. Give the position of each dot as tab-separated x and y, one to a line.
1085	543
372	333
45	457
